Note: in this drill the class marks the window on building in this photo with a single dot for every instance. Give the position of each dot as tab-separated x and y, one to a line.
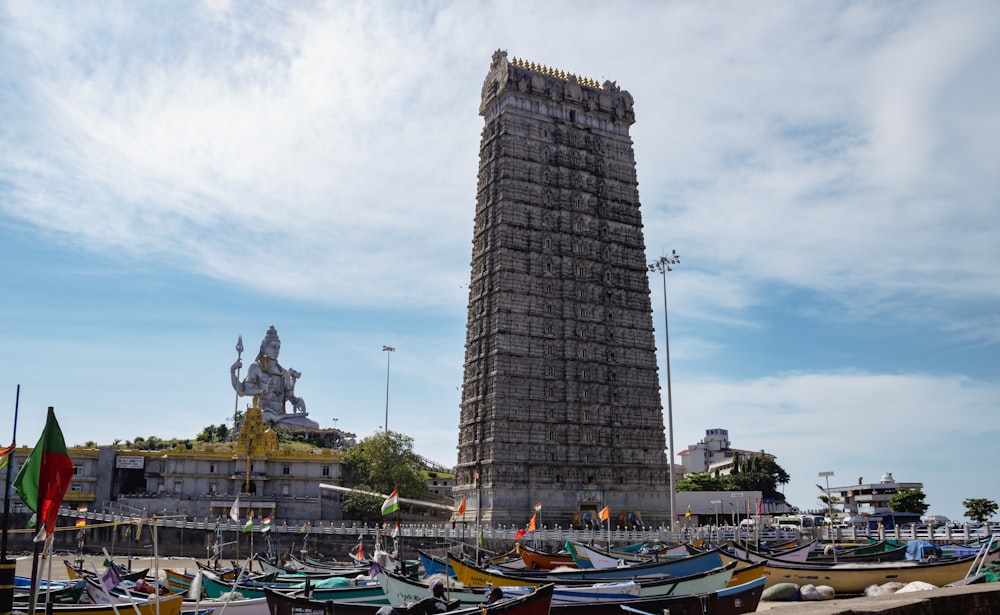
213	488
77	469
211	468
326	470
286	470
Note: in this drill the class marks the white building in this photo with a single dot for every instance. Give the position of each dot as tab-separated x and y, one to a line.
714	454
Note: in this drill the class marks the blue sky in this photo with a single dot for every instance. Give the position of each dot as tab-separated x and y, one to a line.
176	174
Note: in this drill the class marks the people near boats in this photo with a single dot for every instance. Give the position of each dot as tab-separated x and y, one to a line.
495	595
272	386
435	603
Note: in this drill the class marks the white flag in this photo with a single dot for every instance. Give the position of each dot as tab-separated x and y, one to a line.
234	512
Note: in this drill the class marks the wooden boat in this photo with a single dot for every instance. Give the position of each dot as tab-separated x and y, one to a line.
400	589
737	600
541	560
165	605
72	572
858	556
434	565
745	573
332	569
795	554
367	591
586	556
537	602
852	579
474	576
56	592
233	606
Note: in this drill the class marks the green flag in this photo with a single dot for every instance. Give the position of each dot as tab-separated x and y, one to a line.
45	476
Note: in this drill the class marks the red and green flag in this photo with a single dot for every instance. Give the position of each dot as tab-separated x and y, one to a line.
45	476
5	454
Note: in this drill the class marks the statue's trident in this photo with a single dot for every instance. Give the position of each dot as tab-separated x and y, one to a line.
236	405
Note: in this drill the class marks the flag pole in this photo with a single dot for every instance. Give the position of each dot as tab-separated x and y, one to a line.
8	567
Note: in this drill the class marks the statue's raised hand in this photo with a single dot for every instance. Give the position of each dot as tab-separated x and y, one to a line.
236	366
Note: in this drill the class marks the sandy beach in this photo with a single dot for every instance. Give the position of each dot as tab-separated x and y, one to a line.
96	562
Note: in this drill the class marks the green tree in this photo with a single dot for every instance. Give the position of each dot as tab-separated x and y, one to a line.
829	504
702	481
908	500
979	509
213	433
758	473
381	463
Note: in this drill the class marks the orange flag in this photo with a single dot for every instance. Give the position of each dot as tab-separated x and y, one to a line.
461	507
531	524
604	514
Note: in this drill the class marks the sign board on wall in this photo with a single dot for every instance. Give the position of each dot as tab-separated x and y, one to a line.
131	462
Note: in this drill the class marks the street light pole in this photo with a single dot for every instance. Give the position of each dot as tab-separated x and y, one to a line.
663	265
388	350
716	503
829	506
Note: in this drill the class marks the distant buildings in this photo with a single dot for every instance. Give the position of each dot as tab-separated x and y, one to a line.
714	454
868	499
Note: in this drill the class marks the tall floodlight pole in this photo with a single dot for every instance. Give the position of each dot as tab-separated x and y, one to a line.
387	350
663	265
829	506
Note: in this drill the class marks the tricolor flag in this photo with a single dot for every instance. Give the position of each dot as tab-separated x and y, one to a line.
44	478
475	478
605	514
395	530
248	526
391	503
266	525
4	454
81	520
538	507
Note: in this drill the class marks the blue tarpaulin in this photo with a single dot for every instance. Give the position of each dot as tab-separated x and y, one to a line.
917	550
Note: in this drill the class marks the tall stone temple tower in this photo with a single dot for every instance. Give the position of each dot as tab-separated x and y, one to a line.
561	399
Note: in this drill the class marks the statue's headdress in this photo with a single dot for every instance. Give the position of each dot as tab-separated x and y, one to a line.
271	335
